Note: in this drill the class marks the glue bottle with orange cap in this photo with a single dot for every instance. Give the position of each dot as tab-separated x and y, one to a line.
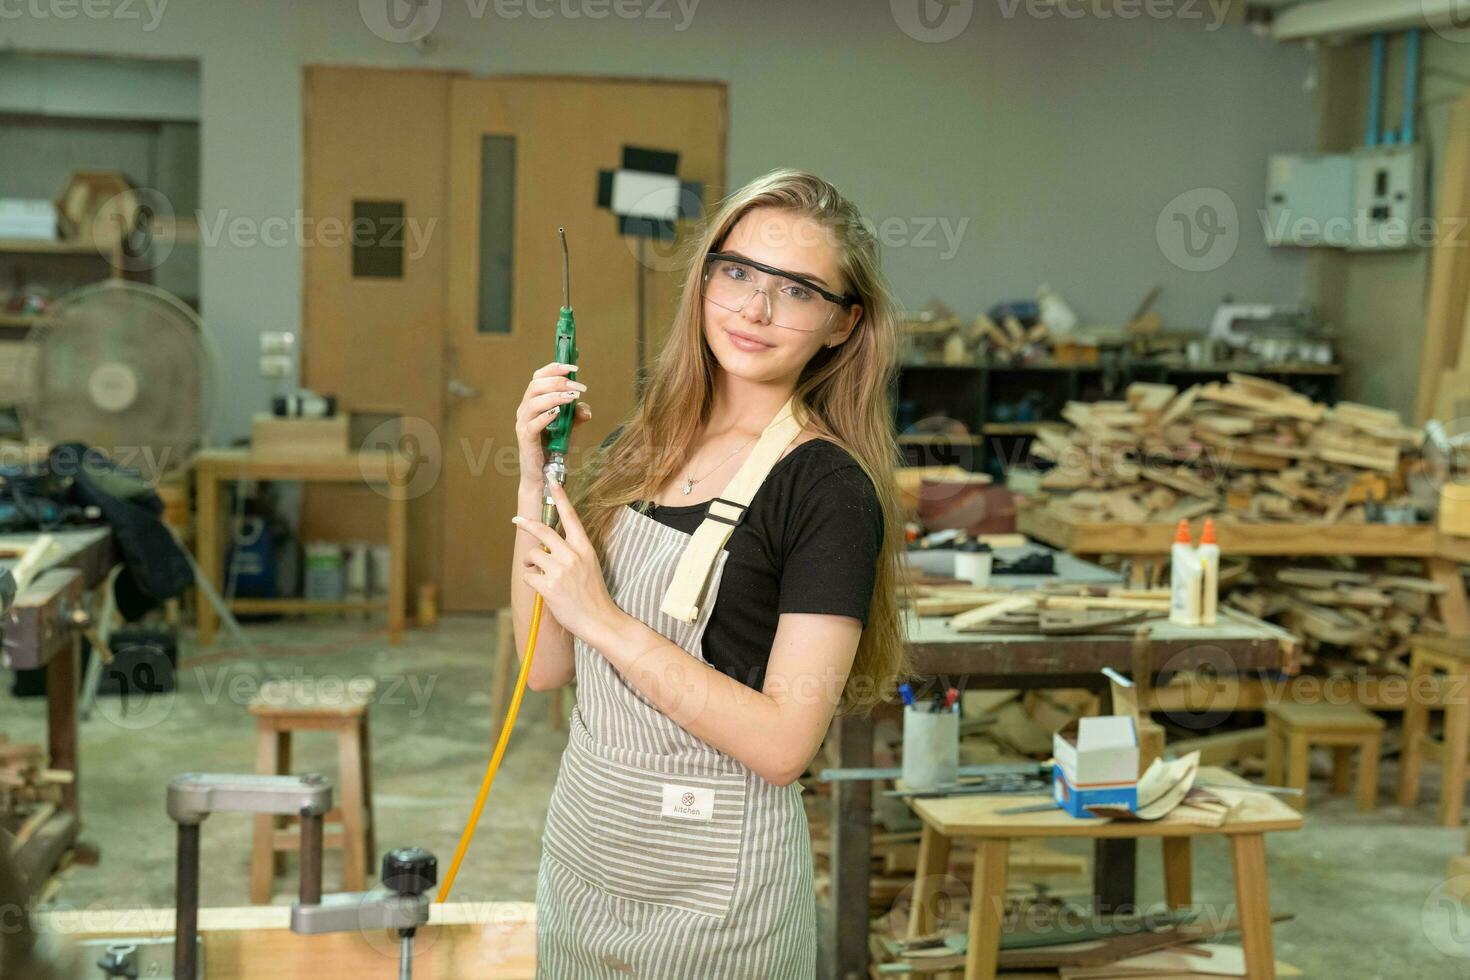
1184	579
1209	559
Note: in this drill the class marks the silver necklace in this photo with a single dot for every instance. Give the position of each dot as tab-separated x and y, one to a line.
689	481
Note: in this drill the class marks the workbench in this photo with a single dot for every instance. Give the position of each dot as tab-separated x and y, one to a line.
1236	644
36	633
386	472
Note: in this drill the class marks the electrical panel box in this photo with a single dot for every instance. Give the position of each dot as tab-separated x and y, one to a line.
1388	197
1370	199
1307	199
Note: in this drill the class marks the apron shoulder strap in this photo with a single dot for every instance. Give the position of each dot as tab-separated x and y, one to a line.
686	591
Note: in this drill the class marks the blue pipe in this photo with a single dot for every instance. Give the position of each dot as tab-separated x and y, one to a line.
1411	86
1375	90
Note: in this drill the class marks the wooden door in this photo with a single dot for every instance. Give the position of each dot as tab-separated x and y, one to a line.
524	156
374	336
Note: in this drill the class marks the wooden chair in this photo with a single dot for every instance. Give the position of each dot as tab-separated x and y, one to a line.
1292	730
283	707
507	665
1438	671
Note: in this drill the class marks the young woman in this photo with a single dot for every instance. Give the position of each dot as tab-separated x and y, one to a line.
724	584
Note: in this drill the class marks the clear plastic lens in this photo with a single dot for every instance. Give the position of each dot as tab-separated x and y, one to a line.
730	285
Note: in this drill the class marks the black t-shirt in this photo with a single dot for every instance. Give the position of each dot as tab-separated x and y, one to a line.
809	543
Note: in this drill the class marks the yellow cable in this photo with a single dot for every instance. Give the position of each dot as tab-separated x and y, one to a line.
510	720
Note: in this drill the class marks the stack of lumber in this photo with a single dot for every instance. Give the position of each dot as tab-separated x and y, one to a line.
1350	620
1249	449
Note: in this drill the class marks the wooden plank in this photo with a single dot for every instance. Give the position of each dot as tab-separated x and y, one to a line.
1292	539
463	941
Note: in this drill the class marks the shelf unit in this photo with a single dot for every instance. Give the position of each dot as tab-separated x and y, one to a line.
985	396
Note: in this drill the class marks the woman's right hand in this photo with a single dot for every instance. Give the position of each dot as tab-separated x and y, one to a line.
548	394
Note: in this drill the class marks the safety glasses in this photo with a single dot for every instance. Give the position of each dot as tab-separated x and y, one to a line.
792	301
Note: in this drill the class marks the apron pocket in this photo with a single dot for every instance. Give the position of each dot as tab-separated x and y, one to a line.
662	837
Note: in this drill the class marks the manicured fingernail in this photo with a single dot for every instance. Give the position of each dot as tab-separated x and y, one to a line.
579	386
517	519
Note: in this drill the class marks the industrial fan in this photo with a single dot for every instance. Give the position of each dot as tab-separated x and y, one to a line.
122	367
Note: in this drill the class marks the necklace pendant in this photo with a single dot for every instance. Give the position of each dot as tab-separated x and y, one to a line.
688	486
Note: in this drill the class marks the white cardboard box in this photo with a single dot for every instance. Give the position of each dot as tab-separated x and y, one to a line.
1096	763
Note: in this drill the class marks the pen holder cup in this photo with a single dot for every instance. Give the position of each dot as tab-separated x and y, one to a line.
931	746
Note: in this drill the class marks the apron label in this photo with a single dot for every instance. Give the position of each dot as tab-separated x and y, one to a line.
688	802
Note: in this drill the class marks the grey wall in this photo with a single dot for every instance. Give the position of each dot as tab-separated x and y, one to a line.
1048	145
1378	300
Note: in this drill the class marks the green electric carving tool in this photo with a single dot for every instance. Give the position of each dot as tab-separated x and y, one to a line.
559	432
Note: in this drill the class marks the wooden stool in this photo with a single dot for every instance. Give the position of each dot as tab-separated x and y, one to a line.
1292	730
949	818
507	664
1433	655
283	707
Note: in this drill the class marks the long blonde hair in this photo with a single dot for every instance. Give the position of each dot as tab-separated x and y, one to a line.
843	394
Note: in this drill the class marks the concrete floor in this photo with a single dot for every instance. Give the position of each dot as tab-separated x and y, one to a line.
1367	889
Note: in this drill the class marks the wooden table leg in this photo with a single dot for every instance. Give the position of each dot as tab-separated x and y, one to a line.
1298	768
397	562
929	878
1416	724
987	908
354	835
1452	762
262	853
1253	905
61	718
1114	876
1178	872
1368	774
206	552
852	841
1454	606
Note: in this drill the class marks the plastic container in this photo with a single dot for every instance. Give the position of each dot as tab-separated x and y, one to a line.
931	745
1209	555
972	562
325	578
1184	579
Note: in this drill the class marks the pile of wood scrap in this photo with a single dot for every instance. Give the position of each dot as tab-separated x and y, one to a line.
25	783
1058	610
1154	946
1350	620
1249	449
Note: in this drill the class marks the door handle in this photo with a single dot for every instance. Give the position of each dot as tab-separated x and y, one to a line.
459	389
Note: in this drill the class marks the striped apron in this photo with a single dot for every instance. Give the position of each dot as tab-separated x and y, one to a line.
664	858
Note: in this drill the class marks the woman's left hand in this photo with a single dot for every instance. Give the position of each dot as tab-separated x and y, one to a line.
567	575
